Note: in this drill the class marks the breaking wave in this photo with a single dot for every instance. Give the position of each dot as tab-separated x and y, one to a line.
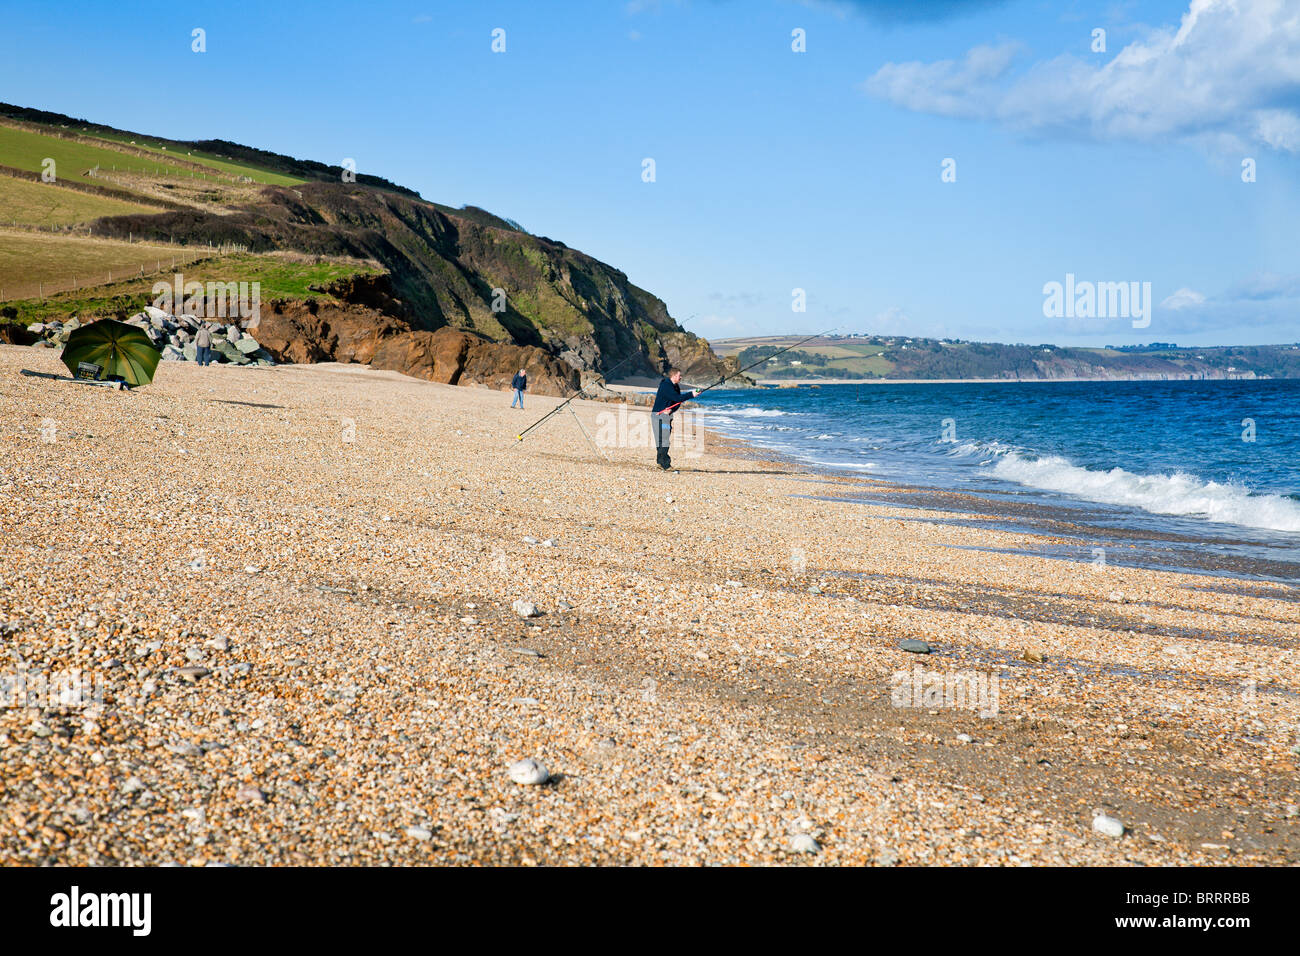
1174	494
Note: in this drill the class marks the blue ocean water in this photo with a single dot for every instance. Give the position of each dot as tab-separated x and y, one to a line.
1197	456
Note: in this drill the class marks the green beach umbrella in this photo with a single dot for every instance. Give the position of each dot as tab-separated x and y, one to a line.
117	348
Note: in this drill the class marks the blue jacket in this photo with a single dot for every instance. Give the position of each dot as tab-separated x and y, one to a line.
519	381
670	395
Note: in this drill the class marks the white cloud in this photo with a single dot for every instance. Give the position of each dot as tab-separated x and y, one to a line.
892	321
966	87
1263	301
1264	286
1229	73
714	326
746	300
1181	299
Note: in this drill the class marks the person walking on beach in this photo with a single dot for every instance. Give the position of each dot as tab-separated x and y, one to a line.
519	383
668	399
203	345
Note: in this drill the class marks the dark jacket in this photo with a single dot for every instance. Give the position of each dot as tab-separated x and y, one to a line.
519	381
669	395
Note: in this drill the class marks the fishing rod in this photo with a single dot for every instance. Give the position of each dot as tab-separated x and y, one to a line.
766	358
578	393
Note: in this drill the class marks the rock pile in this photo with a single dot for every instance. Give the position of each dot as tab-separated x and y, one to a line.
173	336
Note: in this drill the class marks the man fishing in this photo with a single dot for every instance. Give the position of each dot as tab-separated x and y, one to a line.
667	400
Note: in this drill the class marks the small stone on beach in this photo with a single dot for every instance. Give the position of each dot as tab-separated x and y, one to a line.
529	772
804	843
1107	826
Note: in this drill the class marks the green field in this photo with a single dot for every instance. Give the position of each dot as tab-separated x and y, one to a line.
49	204
216	163
281	277
26	150
848	357
58	260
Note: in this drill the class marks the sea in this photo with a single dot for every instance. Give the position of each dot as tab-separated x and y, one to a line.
1199	476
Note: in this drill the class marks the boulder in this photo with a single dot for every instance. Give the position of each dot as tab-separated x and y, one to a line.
12	333
232	354
247	344
456	357
330	334
172	354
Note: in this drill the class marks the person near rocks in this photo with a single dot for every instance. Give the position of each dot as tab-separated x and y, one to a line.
519	383
668	399
203	345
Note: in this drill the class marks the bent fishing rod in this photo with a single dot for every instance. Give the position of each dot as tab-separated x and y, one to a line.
577	394
767	358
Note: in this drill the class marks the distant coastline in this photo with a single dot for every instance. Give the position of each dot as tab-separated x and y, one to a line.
769	382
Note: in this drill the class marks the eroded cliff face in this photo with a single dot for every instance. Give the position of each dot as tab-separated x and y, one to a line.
292	332
696	359
456	357
462	270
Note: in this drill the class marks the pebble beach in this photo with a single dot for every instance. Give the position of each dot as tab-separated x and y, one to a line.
330	615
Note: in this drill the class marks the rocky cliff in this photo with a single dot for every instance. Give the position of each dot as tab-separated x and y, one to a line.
517	299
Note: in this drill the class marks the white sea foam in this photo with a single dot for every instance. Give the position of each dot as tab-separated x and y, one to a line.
748	411
856	465
1176	494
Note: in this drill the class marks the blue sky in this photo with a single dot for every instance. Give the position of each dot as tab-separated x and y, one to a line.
774	170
